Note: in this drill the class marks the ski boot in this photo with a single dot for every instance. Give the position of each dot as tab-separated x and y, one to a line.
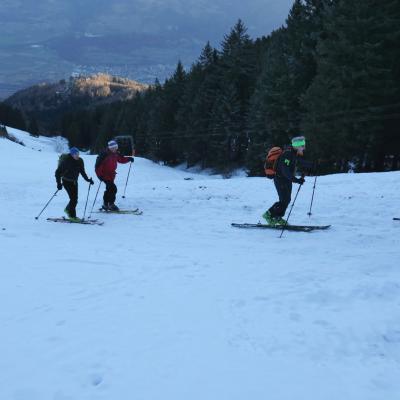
280	221
68	213
113	207
269	218
273	221
70	216
105	207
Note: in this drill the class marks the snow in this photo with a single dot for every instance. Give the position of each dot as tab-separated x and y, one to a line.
42	143
177	304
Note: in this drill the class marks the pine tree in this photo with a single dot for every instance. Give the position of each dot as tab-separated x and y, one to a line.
356	89
33	127
236	75
207	57
225	142
11	117
289	67
268	123
170	150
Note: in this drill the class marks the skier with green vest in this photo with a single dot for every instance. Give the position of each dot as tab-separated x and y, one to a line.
67	173
284	177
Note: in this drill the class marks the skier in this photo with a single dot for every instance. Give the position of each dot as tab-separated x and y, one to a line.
67	173
106	165
284	177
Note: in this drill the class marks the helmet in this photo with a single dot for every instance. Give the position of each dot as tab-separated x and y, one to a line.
112	144
299	141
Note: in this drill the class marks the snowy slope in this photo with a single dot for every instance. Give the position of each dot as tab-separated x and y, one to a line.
175	304
42	143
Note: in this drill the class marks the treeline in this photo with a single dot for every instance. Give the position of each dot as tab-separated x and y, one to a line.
10	116
332	73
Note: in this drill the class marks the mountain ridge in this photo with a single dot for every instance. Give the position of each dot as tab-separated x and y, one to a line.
62	96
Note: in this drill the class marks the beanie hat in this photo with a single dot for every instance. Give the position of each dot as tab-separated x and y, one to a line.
73	151
112	144
299	141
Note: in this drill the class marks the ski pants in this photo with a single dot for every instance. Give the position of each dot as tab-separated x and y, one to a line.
110	192
71	187
284	188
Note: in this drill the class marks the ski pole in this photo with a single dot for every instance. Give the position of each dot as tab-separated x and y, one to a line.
126	184
52	197
312	197
287	220
87	198
94	202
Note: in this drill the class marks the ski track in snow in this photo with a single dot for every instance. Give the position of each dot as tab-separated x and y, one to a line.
177	304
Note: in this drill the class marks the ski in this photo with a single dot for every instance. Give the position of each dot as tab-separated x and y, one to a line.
295	228
136	211
396	219
83	222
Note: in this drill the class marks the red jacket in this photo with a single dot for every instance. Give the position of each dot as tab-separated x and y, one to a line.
106	171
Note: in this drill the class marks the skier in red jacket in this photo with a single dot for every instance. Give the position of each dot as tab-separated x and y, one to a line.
106	165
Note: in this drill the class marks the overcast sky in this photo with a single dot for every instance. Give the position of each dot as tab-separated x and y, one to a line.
42	19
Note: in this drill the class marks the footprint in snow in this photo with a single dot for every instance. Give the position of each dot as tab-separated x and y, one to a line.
96	379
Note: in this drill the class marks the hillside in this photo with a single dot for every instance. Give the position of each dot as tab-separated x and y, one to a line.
99	88
48	100
177	304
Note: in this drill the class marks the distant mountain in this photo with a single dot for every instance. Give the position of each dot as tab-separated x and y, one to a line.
141	39
41	101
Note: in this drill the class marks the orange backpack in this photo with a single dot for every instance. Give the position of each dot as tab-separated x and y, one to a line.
270	161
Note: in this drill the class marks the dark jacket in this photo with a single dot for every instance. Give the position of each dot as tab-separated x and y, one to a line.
69	169
287	162
106	170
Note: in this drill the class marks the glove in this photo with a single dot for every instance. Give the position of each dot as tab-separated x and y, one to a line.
131	159
59	186
91	181
300	181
